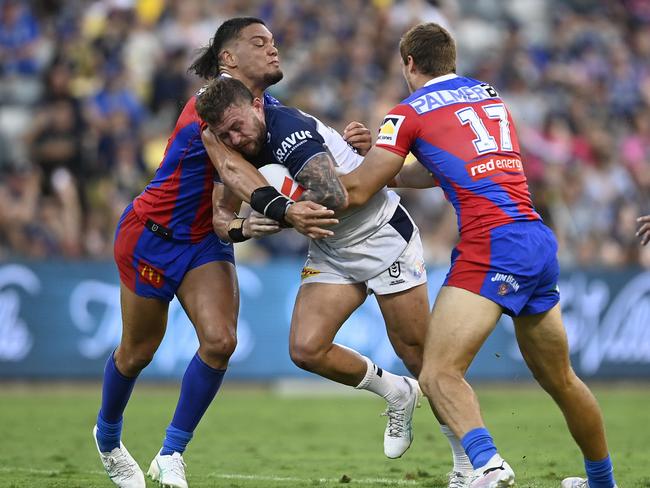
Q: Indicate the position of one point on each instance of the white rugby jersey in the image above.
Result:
(295, 137)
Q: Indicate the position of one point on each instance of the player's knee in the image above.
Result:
(434, 379)
(412, 359)
(305, 355)
(130, 361)
(556, 382)
(218, 347)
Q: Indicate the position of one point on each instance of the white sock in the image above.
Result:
(462, 463)
(387, 385)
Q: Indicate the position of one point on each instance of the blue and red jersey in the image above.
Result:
(179, 197)
(462, 132)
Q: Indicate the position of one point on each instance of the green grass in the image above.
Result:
(253, 438)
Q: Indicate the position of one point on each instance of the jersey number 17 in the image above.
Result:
(485, 142)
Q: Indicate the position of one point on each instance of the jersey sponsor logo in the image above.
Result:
(483, 168)
(441, 98)
(291, 142)
(505, 279)
(150, 275)
(308, 272)
(389, 129)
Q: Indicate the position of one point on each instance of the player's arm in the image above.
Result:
(248, 184)
(413, 175)
(397, 133)
(379, 167)
(644, 230)
(322, 185)
(238, 174)
(229, 226)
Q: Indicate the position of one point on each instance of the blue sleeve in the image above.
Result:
(271, 100)
(294, 139)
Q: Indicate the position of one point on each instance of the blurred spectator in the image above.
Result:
(575, 74)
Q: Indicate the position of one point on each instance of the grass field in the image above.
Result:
(254, 438)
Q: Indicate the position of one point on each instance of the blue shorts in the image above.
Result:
(515, 266)
(152, 266)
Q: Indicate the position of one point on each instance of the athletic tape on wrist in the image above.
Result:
(236, 230)
(270, 202)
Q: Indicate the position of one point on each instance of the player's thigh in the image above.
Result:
(459, 324)
(543, 343)
(406, 314)
(143, 319)
(209, 294)
(320, 311)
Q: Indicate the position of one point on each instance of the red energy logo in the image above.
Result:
(495, 164)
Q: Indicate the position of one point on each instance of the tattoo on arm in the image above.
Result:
(321, 182)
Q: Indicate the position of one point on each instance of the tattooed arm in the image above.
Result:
(321, 182)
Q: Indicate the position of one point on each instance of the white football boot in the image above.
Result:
(120, 466)
(495, 474)
(399, 432)
(576, 482)
(168, 471)
(458, 480)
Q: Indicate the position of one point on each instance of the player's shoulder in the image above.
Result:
(189, 119)
(280, 119)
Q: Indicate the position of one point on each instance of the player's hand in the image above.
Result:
(644, 230)
(257, 225)
(309, 218)
(358, 136)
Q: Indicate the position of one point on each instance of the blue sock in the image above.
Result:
(200, 385)
(600, 473)
(116, 391)
(176, 440)
(479, 446)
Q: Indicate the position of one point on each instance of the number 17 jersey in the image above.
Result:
(461, 131)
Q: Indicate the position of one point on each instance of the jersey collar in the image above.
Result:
(439, 79)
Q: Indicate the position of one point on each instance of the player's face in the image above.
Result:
(257, 56)
(243, 128)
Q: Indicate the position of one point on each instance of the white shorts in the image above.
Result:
(408, 270)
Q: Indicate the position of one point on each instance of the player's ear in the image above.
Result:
(410, 64)
(228, 59)
(258, 105)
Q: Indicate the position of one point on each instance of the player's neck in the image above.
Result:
(256, 89)
(419, 80)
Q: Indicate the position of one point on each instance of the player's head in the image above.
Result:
(233, 114)
(244, 48)
(427, 51)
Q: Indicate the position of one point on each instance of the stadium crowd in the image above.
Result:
(90, 91)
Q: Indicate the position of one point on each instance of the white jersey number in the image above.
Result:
(484, 142)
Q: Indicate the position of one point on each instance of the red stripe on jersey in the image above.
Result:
(127, 239)
(517, 189)
(478, 217)
(187, 116)
(164, 197)
(202, 224)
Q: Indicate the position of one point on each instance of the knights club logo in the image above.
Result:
(503, 289)
(150, 275)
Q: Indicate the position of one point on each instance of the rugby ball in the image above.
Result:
(279, 178)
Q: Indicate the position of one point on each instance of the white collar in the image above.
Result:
(438, 79)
